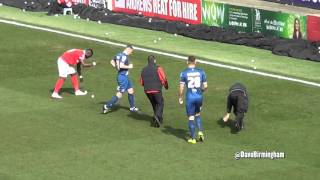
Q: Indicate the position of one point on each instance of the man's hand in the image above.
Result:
(226, 117)
(166, 85)
(180, 101)
(130, 66)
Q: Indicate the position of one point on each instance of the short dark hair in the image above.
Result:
(88, 53)
(151, 58)
(129, 46)
(191, 59)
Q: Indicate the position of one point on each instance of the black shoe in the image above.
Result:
(237, 127)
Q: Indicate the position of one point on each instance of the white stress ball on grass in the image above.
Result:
(92, 96)
(159, 38)
(1, 4)
(252, 60)
(254, 67)
(106, 33)
(154, 41)
(88, 19)
(99, 22)
(23, 10)
(175, 34)
(94, 63)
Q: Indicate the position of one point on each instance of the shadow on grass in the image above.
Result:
(64, 90)
(230, 124)
(179, 133)
(134, 115)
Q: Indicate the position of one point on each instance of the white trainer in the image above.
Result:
(56, 96)
(81, 93)
(134, 109)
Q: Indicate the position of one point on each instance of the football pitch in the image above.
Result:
(42, 138)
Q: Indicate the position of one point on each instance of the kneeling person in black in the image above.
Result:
(239, 100)
(152, 79)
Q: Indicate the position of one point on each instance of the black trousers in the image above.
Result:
(157, 103)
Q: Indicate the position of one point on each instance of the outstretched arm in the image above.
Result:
(181, 89)
(84, 64)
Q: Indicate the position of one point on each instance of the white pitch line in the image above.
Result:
(162, 53)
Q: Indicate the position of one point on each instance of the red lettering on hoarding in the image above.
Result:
(188, 11)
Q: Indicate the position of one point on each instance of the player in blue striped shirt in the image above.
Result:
(122, 64)
(195, 81)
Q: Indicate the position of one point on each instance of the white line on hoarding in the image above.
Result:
(181, 57)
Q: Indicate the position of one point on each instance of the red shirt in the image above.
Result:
(73, 56)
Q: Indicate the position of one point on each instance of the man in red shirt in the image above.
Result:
(66, 66)
(153, 78)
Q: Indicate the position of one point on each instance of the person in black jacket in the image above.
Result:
(238, 100)
(152, 79)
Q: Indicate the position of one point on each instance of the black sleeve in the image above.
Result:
(79, 69)
(229, 104)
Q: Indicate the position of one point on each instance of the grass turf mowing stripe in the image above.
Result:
(164, 53)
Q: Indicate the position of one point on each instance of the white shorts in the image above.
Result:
(65, 69)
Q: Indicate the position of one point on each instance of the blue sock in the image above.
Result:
(131, 100)
(113, 100)
(199, 124)
(192, 129)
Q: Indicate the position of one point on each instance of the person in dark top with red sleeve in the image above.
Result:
(152, 79)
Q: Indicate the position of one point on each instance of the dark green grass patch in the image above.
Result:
(43, 138)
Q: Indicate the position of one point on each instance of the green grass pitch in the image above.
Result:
(47, 139)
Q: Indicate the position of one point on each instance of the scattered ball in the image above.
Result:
(75, 17)
(92, 96)
(99, 22)
(187, 25)
(154, 41)
(106, 14)
(23, 10)
(175, 34)
(94, 63)
(159, 38)
(252, 60)
(1, 4)
(106, 33)
(254, 67)
(88, 19)
(56, 15)
(25, 2)
(49, 3)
